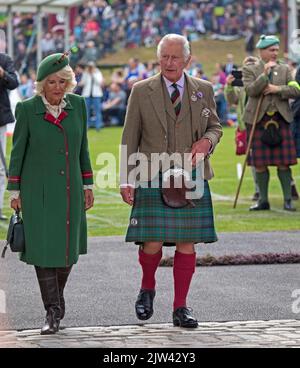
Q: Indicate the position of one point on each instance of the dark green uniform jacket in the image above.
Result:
(49, 164)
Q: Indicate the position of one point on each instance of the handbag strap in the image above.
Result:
(4, 250)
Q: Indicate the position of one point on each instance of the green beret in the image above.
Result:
(267, 41)
(51, 64)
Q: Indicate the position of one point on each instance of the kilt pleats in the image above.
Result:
(264, 155)
(152, 220)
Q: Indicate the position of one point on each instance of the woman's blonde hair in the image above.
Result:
(65, 73)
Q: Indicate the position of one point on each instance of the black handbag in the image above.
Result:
(271, 135)
(15, 234)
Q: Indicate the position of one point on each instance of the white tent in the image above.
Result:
(39, 7)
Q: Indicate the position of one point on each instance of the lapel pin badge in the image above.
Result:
(205, 112)
(196, 96)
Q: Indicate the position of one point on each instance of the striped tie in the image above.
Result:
(175, 98)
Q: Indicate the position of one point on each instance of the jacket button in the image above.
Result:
(62, 172)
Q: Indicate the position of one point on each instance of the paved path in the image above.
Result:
(104, 285)
(250, 334)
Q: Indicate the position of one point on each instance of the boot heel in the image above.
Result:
(176, 323)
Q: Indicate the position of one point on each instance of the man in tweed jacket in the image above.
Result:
(170, 112)
(274, 82)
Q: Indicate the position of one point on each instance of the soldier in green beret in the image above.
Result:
(50, 181)
(273, 143)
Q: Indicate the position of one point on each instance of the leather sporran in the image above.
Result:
(15, 234)
(271, 135)
(174, 191)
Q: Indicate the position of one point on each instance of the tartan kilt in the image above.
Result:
(296, 134)
(152, 220)
(264, 155)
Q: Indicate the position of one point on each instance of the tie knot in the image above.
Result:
(174, 85)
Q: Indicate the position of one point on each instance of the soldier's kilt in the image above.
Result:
(152, 220)
(296, 134)
(264, 155)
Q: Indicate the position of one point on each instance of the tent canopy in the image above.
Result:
(33, 6)
(36, 6)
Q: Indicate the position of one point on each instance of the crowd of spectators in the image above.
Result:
(106, 98)
(99, 27)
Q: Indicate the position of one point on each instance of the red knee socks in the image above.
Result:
(183, 269)
(149, 263)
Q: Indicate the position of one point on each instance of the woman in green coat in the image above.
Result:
(50, 180)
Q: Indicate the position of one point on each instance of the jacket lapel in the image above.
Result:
(185, 105)
(157, 98)
(277, 76)
(68, 106)
(196, 103)
(260, 68)
(40, 108)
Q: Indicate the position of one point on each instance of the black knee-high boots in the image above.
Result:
(52, 282)
(62, 277)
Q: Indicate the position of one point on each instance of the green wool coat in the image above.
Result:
(49, 164)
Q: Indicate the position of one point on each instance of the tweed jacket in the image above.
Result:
(145, 129)
(255, 81)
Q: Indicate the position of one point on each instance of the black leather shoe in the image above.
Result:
(183, 317)
(288, 206)
(260, 206)
(144, 304)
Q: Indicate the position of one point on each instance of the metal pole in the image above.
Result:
(39, 35)
(67, 28)
(285, 25)
(10, 40)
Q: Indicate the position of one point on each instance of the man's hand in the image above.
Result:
(230, 78)
(127, 194)
(202, 146)
(88, 199)
(268, 66)
(1, 72)
(271, 89)
(16, 204)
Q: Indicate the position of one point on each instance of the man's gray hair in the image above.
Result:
(172, 37)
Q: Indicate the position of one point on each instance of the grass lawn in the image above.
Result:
(110, 216)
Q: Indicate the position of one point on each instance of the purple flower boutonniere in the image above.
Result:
(196, 96)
